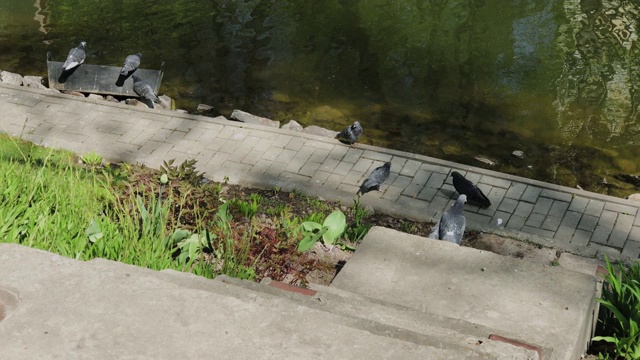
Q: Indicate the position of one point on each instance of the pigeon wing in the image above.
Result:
(76, 57)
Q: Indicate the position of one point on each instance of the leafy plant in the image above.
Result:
(329, 231)
(357, 230)
(92, 159)
(184, 172)
(621, 299)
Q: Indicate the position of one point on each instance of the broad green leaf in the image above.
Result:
(94, 232)
(335, 224)
(310, 226)
(310, 240)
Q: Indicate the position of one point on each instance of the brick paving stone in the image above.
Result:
(515, 191)
(551, 223)
(272, 153)
(187, 125)
(329, 164)
(436, 180)
(363, 165)
(286, 156)
(410, 168)
(516, 222)
(217, 160)
(319, 177)
(149, 146)
(374, 155)
(564, 233)
(535, 220)
(239, 134)
(531, 194)
(538, 231)
(588, 222)
(352, 156)
(295, 144)
(477, 218)
(437, 205)
(634, 234)
(621, 230)
(319, 145)
(578, 204)
(392, 193)
(229, 147)
(523, 209)
(196, 147)
(542, 206)
(580, 237)
(210, 126)
(333, 181)
(434, 168)
(263, 145)
(299, 160)
(601, 234)
(226, 133)
(264, 134)
(502, 216)
(495, 182)
(231, 165)
(427, 193)
(275, 169)
(343, 168)
(252, 158)
(282, 140)
(449, 191)
(397, 163)
(294, 177)
(319, 155)
(637, 221)
(353, 178)
(402, 181)
(348, 188)
(594, 207)
(608, 218)
(508, 205)
(248, 142)
(338, 152)
(495, 195)
(571, 219)
(260, 167)
(631, 249)
(413, 189)
(558, 208)
(310, 168)
(556, 195)
(625, 209)
(172, 124)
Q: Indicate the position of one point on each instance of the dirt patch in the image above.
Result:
(514, 248)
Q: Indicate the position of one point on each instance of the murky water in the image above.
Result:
(451, 79)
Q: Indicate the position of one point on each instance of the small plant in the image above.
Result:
(184, 172)
(92, 159)
(621, 299)
(329, 231)
(358, 229)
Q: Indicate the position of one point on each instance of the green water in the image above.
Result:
(451, 79)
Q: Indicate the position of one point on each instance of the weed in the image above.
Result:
(92, 159)
(184, 172)
(333, 226)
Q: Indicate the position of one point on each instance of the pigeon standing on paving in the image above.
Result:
(375, 179)
(76, 57)
(452, 223)
(145, 91)
(350, 134)
(466, 187)
(131, 64)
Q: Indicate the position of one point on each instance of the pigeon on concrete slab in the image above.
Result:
(375, 179)
(350, 134)
(466, 187)
(131, 64)
(76, 57)
(452, 223)
(145, 91)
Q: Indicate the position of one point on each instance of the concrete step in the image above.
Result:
(100, 309)
(549, 308)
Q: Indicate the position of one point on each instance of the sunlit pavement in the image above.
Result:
(419, 187)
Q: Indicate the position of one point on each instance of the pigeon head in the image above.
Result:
(387, 165)
(135, 77)
(356, 124)
(462, 199)
(139, 55)
(83, 44)
(456, 175)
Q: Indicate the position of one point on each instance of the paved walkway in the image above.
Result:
(419, 187)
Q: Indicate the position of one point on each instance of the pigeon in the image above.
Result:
(76, 57)
(375, 179)
(350, 134)
(452, 223)
(466, 187)
(131, 64)
(144, 91)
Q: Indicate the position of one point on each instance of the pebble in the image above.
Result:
(518, 153)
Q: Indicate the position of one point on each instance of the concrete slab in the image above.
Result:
(68, 309)
(545, 306)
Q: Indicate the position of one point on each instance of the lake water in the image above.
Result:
(557, 80)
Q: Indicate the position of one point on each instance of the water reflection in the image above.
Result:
(452, 79)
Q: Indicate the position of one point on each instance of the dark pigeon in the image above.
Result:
(76, 57)
(466, 187)
(452, 223)
(375, 179)
(350, 134)
(145, 91)
(131, 64)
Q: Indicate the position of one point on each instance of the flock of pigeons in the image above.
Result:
(452, 223)
(77, 56)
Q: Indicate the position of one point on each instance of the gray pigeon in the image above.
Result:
(131, 64)
(350, 134)
(452, 223)
(375, 179)
(145, 91)
(76, 57)
(466, 187)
